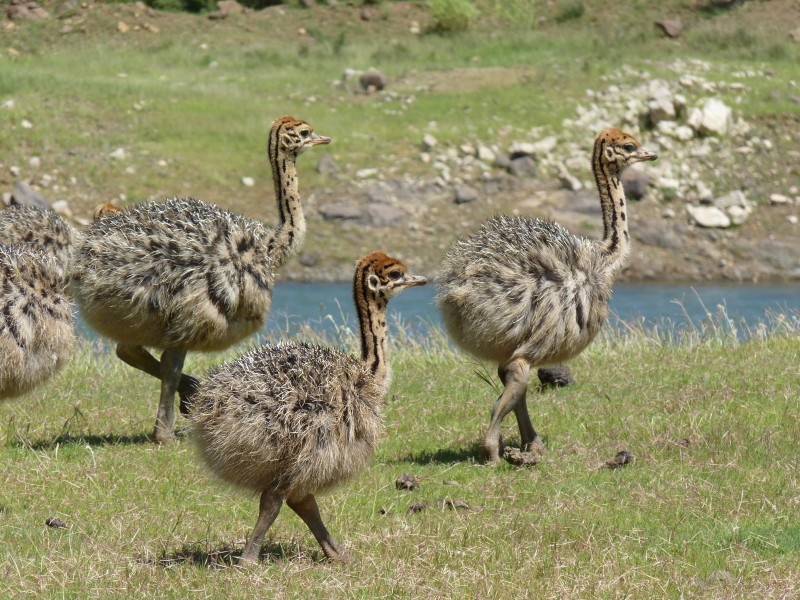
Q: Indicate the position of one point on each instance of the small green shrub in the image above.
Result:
(452, 16)
(571, 10)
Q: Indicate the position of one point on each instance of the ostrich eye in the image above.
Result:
(305, 133)
(629, 147)
(395, 275)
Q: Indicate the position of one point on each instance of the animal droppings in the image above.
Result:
(406, 483)
(622, 458)
(416, 508)
(518, 458)
(55, 523)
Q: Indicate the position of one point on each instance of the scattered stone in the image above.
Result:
(635, 182)
(25, 10)
(485, 154)
(373, 81)
(519, 458)
(26, 124)
(793, 219)
(452, 504)
(35, 162)
(248, 181)
(709, 216)
(327, 166)
(429, 142)
(545, 145)
(406, 483)
(671, 27)
(55, 523)
(555, 377)
(123, 27)
(660, 106)
(568, 181)
(380, 193)
(416, 508)
(622, 458)
(24, 195)
(736, 205)
(340, 212)
(715, 118)
(523, 166)
(778, 199)
(366, 173)
(118, 154)
(61, 207)
(225, 8)
(384, 215)
(465, 194)
(519, 149)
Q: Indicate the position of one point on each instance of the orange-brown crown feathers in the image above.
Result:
(616, 149)
(379, 272)
(105, 209)
(293, 136)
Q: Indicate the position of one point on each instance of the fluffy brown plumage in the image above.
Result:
(524, 292)
(36, 335)
(41, 229)
(293, 420)
(183, 275)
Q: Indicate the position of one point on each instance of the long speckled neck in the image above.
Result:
(616, 239)
(371, 310)
(292, 227)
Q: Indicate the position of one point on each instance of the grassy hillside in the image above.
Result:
(190, 99)
(707, 509)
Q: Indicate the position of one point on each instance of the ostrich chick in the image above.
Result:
(42, 229)
(36, 335)
(293, 420)
(183, 275)
(524, 292)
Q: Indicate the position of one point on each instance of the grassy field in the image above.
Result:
(709, 507)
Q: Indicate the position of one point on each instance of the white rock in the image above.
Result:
(8, 104)
(793, 219)
(716, 118)
(708, 216)
(545, 145)
(467, 150)
(162, 163)
(61, 207)
(14, 170)
(778, 199)
(429, 142)
(118, 154)
(248, 181)
(35, 162)
(683, 133)
(668, 213)
(734, 198)
(486, 154)
(522, 149)
(365, 173)
(130, 170)
(26, 124)
(6, 198)
(704, 194)
(737, 214)
(695, 118)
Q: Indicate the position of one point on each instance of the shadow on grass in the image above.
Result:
(225, 557)
(88, 440)
(469, 453)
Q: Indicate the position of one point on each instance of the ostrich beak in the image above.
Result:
(644, 155)
(319, 139)
(412, 280)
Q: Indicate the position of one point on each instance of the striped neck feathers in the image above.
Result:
(616, 239)
(292, 226)
(371, 309)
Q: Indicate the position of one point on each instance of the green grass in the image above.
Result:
(708, 508)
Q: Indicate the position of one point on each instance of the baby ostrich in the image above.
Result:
(35, 319)
(293, 420)
(183, 275)
(41, 229)
(524, 292)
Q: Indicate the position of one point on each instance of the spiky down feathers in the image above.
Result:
(296, 419)
(523, 287)
(36, 336)
(177, 273)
